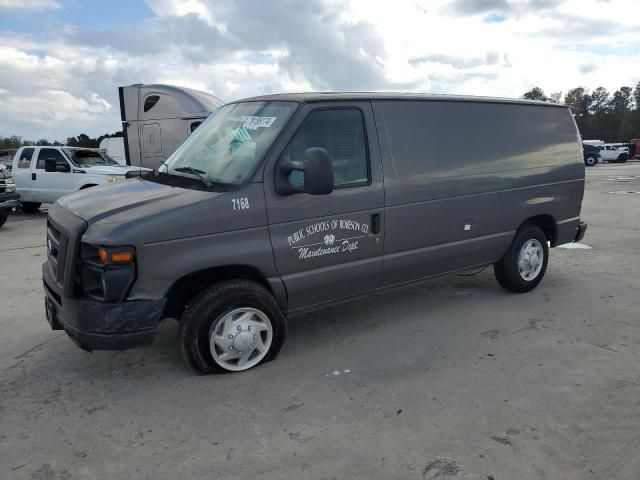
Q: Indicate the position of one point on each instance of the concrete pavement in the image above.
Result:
(454, 378)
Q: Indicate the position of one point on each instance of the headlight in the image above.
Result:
(115, 178)
(107, 272)
(10, 186)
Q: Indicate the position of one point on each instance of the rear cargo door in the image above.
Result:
(328, 247)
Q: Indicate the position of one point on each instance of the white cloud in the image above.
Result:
(29, 4)
(66, 83)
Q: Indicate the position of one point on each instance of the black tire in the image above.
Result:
(30, 207)
(590, 160)
(623, 158)
(506, 269)
(202, 316)
(3, 218)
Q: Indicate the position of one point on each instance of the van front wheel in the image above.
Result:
(231, 326)
(523, 266)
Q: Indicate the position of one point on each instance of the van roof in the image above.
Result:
(355, 96)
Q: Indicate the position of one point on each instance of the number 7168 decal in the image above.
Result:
(240, 203)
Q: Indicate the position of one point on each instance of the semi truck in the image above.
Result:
(157, 118)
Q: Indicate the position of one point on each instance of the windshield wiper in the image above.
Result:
(197, 173)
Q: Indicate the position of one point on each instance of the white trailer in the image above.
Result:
(114, 147)
(156, 119)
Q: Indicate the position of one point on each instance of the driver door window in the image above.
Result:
(48, 153)
(341, 133)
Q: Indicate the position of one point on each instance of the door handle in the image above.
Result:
(33, 176)
(375, 223)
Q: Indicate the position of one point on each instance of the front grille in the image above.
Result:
(64, 231)
(57, 251)
(3, 186)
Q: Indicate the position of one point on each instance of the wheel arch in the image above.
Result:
(546, 223)
(88, 185)
(188, 286)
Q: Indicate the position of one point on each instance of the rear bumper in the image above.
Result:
(94, 325)
(582, 229)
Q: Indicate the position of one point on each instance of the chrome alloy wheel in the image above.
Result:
(530, 259)
(241, 339)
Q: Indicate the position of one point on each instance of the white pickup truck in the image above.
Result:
(611, 153)
(44, 174)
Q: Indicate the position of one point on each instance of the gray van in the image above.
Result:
(284, 203)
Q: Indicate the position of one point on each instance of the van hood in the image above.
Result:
(140, 211)
(105, 201)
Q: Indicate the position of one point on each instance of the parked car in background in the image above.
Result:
(8, 196)
(156, 119)
(6, 157)
(620, 146)
(612, 154)
(285, 203)
(591, 154)
(44, 174)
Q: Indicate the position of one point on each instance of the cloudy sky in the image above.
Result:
(62, 61)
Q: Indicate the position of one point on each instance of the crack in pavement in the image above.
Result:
(24, 354)
(22, 248)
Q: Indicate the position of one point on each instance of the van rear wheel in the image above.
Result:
(231, 326)
(525, 263)
(30, 207)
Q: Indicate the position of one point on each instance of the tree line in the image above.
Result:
(599, 114)
(82, 140)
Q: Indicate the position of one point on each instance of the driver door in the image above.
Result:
(49, 186)
(328, 247)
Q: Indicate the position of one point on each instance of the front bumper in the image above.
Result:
(9, 201)
(94, 325)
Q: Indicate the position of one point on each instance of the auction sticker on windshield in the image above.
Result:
(253, 123)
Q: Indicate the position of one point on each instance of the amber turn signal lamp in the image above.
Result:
(122, 257)
(115, 257)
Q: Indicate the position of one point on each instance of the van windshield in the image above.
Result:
(230, 143)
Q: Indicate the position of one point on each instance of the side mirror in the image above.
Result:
(317, 174)
(56, 165)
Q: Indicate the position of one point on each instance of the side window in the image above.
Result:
(25, 158)
(48, 153)
(150, 102)
(341, 133)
